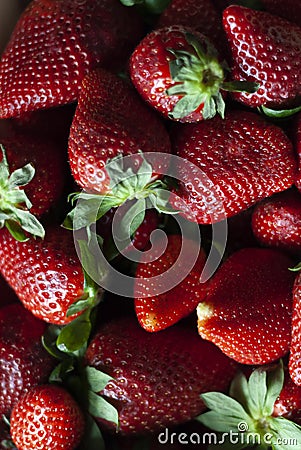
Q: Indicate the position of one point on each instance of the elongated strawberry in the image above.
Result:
(295, 349)
(158, 377)
(251, 411)
(47, 417)
(248, 309)
(64, 40)
(46, 274)
(237, 161)
(179, 73)
(266, 49)
(24, 362)
(276, 221)
(156, 312)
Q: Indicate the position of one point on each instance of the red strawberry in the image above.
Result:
(288, 403)
(266, 49)
(295, 350)
(297, 143)
(247, 312)
(276, 221)
(47, 417)
(24, 362)
(46, 274)
(158, 377)
(156, 312)
(236, 162)
(179, 72)
(55, 43)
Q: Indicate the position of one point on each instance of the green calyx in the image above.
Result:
(245, 416)
(14, 203)
(199, 78)
(277, 113)
(148, 6)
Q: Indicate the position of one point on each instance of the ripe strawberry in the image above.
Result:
(158, 377)
(55, 43)
(47, 417)
(156, 312)
(247, 312)
(179, 73)
(297, 144)
(266, 49)
(46, 274)
(24, 362)
(276, 221)
(295, 350)
(255, 410)
(236, 162)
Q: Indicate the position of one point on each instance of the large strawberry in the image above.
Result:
(297, 143)
(55, 43)
(158, 311)
(157, 377)
(276, 221)
(295, 350)
(266, 49)
(248, 309)
(179, 72)
(24, 362)
(45, 418)
(234, 163)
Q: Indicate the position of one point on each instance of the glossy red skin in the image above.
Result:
(276, 221)
(158, 377)
(45, 274)
(55, 43)
(149, 68)
(24, 362)
(297, 144)
(248, 308)
(47, 417)
(288, 404)
(48, 159)
(295, 350)
(265, 49)
(245, 157)
(157, 312)
(110, 120)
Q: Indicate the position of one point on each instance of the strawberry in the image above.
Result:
(157, 377)
(266, 49)
(255, 410)
(46, 274)
(234, 163)
(178, 72)
(276, 221)
(247, 312)
(47, 417)
(295, 350)
(24, 362)
(55, 43)
(288, 403)
(297, 143)
(156, 312)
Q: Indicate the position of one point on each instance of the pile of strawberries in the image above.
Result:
(98, 98)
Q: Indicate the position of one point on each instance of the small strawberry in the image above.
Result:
(156, 312)
(276, 221)
(295, 350)
(24, 362)
(266, 49)
(234, 163)
(158, 377)
(55, 43)
(247, 312)
(45, 418)
(253, 411)
(179, 73)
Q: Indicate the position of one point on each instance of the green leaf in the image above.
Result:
(286, 431)
(98, 407)
(279, 114)
(97, 379)
(93, 267)
(239, 390)
(75, 335)
(216, 421)
(296, 268)
(257, 392)
(61, 370)
(21, 177)
(159, 199)
(240, 86)
(92, 439)
(275, 380)
(4, 168)
(78, 306)
(30, 223)
(49, 341)
(130, 222)
(16, 230)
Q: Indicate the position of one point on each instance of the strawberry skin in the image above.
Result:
(247, 312)
(110, 120)
(276, 221)
(24, 362)
(46, 418)
(158, 377)
(265, 49)
(241, 159)
(157, 312)
(45, 274)
(55, 43)
(295, 350)
(297, 144)
(288, 404)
